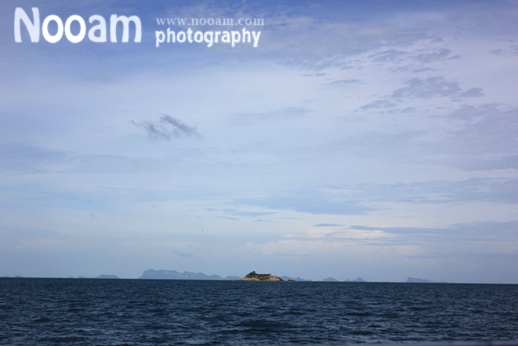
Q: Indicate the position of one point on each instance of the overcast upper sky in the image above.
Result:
(360, 138)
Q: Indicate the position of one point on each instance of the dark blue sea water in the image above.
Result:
(114, 312)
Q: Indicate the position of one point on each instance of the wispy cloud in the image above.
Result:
(377, 104)
(422, 56)
(434, 87)
(511, 50)
(312, 202)
(166, 128)
(424, 88)
(472, 231)
(503, 191)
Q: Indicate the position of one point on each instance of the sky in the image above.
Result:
(374, 139)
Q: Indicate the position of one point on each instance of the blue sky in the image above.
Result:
(360, 138)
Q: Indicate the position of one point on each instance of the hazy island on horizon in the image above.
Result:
(164, 274)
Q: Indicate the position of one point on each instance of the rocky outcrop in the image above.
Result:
(254, 277)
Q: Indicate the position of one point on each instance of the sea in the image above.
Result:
(180, 312)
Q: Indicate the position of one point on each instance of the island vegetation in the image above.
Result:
(253, 276)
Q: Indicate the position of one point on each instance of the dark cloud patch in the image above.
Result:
(166, 128)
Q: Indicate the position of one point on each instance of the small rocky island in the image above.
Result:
(254, 277)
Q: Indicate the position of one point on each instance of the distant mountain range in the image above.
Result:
(163, 274)
(152, 274)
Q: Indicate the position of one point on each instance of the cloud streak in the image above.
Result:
(166, 128)
(310, 202)
(434, 87)
(471, 231)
